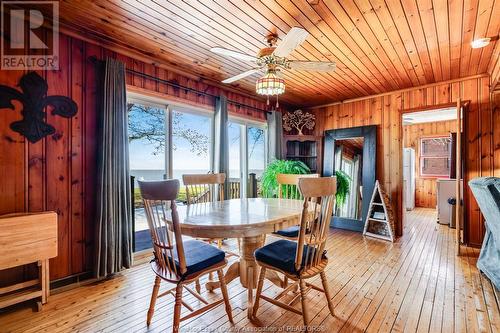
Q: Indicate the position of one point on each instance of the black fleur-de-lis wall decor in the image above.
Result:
(33, 96)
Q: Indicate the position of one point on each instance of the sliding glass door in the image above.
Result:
(191, 144)
(235, 173)
(257, 156)
(247, 155)
(167, 141)
(164, 142)
(147, 143)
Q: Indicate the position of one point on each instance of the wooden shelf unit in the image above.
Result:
(305, 148)
(380, 205)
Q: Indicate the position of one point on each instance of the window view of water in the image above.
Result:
(190, 148)
(160, 174)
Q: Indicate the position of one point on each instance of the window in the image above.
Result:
(257, 153)
(247, 139)
(167, 141)
(147, 140)
(191, 143)
(435, 156)
(234, 138)
(164, 142)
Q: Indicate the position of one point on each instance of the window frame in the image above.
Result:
(169, 107)
(422, 157)
(187, 110)
(164, 107)
(244, 124)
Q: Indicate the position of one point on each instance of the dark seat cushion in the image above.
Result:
(292, 232)
(281, 254)
(199, 256)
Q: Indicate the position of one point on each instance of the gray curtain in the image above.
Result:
(114, 207)
(220, 147)
(275, 134)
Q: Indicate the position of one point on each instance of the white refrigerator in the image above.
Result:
(409, 178)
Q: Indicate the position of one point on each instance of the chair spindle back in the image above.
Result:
(287, 185)
(204, 187)
(157, 197)
(319, 198)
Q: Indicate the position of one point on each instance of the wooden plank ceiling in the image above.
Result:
(355, 144)
(378, 45)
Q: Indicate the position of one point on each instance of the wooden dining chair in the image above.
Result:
(288, 189)
(177, 261)
(305, 258)
(205, 188)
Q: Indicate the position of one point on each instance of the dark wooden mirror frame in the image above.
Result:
(369, 134)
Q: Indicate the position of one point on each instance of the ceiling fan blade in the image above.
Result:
(241, 76)
(231, 53)
(318, 66)
(293, 39)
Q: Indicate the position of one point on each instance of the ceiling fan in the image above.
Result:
(272, 60)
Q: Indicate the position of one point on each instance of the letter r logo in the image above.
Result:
(31, 34)
(17, 25)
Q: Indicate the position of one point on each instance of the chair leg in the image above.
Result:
(259, 291)
(303, 289)
(177, 308)
(324, 281)
(225, 295)
(152, 303)
(197, 286)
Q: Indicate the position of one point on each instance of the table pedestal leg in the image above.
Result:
(249, 270)
(246, 268)
(232, 273)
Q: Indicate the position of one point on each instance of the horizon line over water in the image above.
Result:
(158, 174)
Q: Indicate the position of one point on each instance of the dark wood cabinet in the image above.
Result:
(305, 148)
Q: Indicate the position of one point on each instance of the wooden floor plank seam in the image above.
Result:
(416, 284)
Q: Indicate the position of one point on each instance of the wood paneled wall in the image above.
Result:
(482, 142)
(59, 172)
(425, 188)
(494, 68)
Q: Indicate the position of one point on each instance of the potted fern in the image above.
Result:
(343, 182)
(270, 184)
(268, 179)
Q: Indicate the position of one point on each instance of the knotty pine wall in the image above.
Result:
(482, 144)
(59, 172)
(425, 187)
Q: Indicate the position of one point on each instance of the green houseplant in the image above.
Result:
(343, 181)
(269, 182)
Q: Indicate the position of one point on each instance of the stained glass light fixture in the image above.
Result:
(270, 84)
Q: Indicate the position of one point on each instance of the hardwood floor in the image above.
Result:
(414, 285)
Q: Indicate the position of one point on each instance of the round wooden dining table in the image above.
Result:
(248, 220)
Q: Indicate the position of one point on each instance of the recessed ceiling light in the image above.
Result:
(481, 42)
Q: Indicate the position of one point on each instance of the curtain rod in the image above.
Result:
(179, 86)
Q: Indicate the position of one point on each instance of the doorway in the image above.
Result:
(429, 160)
(247, 156)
